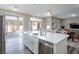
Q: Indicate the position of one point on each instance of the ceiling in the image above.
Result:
(58, 10)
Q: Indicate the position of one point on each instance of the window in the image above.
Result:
(11, 17)
(35, 23)
(14, 23)
(34, 26)
(11, 23)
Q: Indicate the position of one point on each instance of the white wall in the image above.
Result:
(67, 22)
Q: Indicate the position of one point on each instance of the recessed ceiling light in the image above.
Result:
(73, 15)
(49, 13)
(14, 8)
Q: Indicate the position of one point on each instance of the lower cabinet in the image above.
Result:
(25, 40)
(35, 45)
(31, 42)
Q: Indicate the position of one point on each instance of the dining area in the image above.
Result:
(73, 41)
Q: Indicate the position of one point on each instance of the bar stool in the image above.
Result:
(71, 36)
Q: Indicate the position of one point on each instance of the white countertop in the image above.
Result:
(54, 38)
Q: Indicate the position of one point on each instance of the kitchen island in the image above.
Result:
(56, 41)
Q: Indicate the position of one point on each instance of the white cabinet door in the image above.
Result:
(35, 45)
(30, 42)
(25, 40)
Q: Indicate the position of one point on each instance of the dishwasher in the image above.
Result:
(45, 47)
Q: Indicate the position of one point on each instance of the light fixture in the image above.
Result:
(73, 15)
(49, 13)
(32, 19)
(35, 19)
(48, 27)
(15, 8)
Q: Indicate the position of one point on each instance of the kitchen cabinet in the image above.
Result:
(31, 42)
(25, 39)
(35, 44)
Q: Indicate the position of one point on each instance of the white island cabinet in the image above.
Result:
(61, 47)
(59, 42)
(31, 42)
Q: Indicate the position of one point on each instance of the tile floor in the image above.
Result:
(15, 46)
